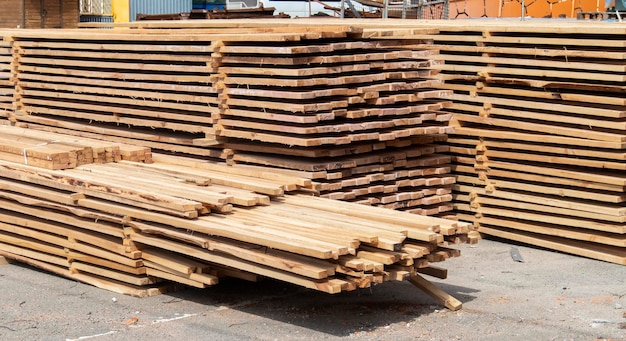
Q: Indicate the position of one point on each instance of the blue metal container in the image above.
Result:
(158, 7)
(209, 4)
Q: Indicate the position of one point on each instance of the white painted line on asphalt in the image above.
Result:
(162, 320)
(173, 318)
(92, 336)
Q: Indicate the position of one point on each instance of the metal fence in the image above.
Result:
(435, 9)
(96, 7)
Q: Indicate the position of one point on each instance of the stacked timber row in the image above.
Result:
(136, 228)
(150, 90)
(7, 87)
(539, 145)
(54, 151)
(357, 116)
(358, 111)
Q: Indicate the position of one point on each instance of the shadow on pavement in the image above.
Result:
(338, 315)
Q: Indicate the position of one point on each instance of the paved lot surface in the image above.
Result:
(550, 296)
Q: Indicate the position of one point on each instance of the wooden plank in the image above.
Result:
(563, 119)
(552, 228)
(107, 114)
(571, 64)
(559, 205)
(299, 72)
(325, 128)
(204, 79)
(152, 271)
(547, 148)
(110, 86)
(292, 95)
(551, 178)
(594, 251)
(600, 177)
(535, 52)
(362, 229)
(308, 82)
(21, 206)
(91, 185)
(139, 54)
(434, 271)
(499, 133)
(164, 37)
(58, 126)
(111, 285)
(531, 41)
(298, 107)
(353, 57)
(106, 273)
(266, 174)
(5, 261)
(419, 230)
(559, 191)
(51, 45)
(225, 260)
(12, 251)
(546, 159)
(617, 138)
(18, 235)
(148, 99)
(107, 65)
(161, 185)
(441, 296)
(585, 98)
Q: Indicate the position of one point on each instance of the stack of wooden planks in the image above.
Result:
(136, 228)
(361, 110)
(152, 90)
(7, 87)
(55, 151)
(357, 110)
(539, 143)
(358, 116)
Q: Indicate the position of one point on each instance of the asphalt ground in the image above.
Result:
(548, 296)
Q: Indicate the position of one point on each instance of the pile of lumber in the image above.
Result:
(7, 87)
(356, 110)
(55, 151)
(539, 145)
(137, 228)
(151, 90)
(361, 109)
(357, 116)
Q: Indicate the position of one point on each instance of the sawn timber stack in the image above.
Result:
(128, 226)
(527, 98)
(7, 87)
(357, 116)
(539, 119)
(358, 111)
(539, 147)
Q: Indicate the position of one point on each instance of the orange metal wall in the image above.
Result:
(513, 8)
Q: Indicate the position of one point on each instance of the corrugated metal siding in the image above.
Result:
(96, 18)
(158, 7)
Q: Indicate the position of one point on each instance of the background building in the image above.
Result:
(39, 13)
